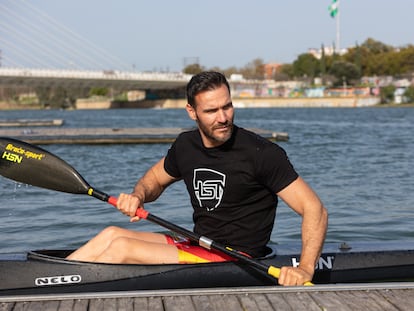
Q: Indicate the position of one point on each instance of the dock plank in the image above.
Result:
(263, 302)
(301, 301)
(222, 302)
(154, 304)
(20, 306)
(72, 305)
(329, 301)
(363, 300)
(125, 304)
(204, 303)
(179, 303)
(81, 305)
(336, 297)
(375, 296)
(248, 302)
(147, 304)
(402, 299)
(30, 122)
(279, 302)
(6, 306)
(44, 136)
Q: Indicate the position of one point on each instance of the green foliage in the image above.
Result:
(285, 73)
(254, 69)
(306, 65)
(376, 47)
(371, 58)
(193, 69)
(387, 94)
(43, 93)
(406, 58)
(99, 91)
(344, 72)
(56, 97)
(409, 94)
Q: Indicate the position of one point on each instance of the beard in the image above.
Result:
(218, 134)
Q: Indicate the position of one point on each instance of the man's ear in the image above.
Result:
(191, 112)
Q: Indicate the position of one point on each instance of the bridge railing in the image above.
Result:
(84, 74)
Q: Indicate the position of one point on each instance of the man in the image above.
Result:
(234, 178)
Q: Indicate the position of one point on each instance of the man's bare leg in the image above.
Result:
(133, 251)
(105, 241)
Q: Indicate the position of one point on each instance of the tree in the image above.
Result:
(284, 73)
(344, 72)
(59, 98)
(99, 91)
(376, 47)
(229, 71)
(43, 94)
(193, 69)
(407, 59)
(409, 94)
(306, 65)
(387, 94)
(254, 69)
(322, 64)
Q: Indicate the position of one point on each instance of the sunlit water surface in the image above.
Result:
(359, 161)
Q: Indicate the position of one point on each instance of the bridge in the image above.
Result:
(38, 51)
(86, 78)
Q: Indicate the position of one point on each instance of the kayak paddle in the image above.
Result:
(29, 164)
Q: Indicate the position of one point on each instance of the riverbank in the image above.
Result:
(14, 106)
(263, 102)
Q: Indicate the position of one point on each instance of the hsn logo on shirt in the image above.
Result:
(208, 187)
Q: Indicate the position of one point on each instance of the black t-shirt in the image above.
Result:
(232, 187)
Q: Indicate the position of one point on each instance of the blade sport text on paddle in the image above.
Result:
(29, 164)
(32, 165)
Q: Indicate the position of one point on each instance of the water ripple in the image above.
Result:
(360, 162)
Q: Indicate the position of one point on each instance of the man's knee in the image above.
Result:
(111, 232)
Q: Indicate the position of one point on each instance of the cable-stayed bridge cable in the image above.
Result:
(49, 39)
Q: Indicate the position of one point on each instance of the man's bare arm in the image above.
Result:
(302, 199)
(153, 183)
(147, 189)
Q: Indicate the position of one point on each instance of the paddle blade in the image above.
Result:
(35, 166)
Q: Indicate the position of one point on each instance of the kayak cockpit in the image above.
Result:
(60, 255)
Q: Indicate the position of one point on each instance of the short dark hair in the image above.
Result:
(204, 81)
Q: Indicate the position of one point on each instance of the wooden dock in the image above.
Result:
(44, 136)
(31, 122)
(352, 297)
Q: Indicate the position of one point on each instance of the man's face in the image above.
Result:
(214, 115)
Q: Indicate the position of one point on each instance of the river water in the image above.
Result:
(360, 162)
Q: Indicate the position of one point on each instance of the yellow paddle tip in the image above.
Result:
(274, 271)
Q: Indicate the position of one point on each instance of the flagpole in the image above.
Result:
(337, 29)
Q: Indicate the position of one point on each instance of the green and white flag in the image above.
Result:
(333, 8)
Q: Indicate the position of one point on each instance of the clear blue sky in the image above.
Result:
(156, 34)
